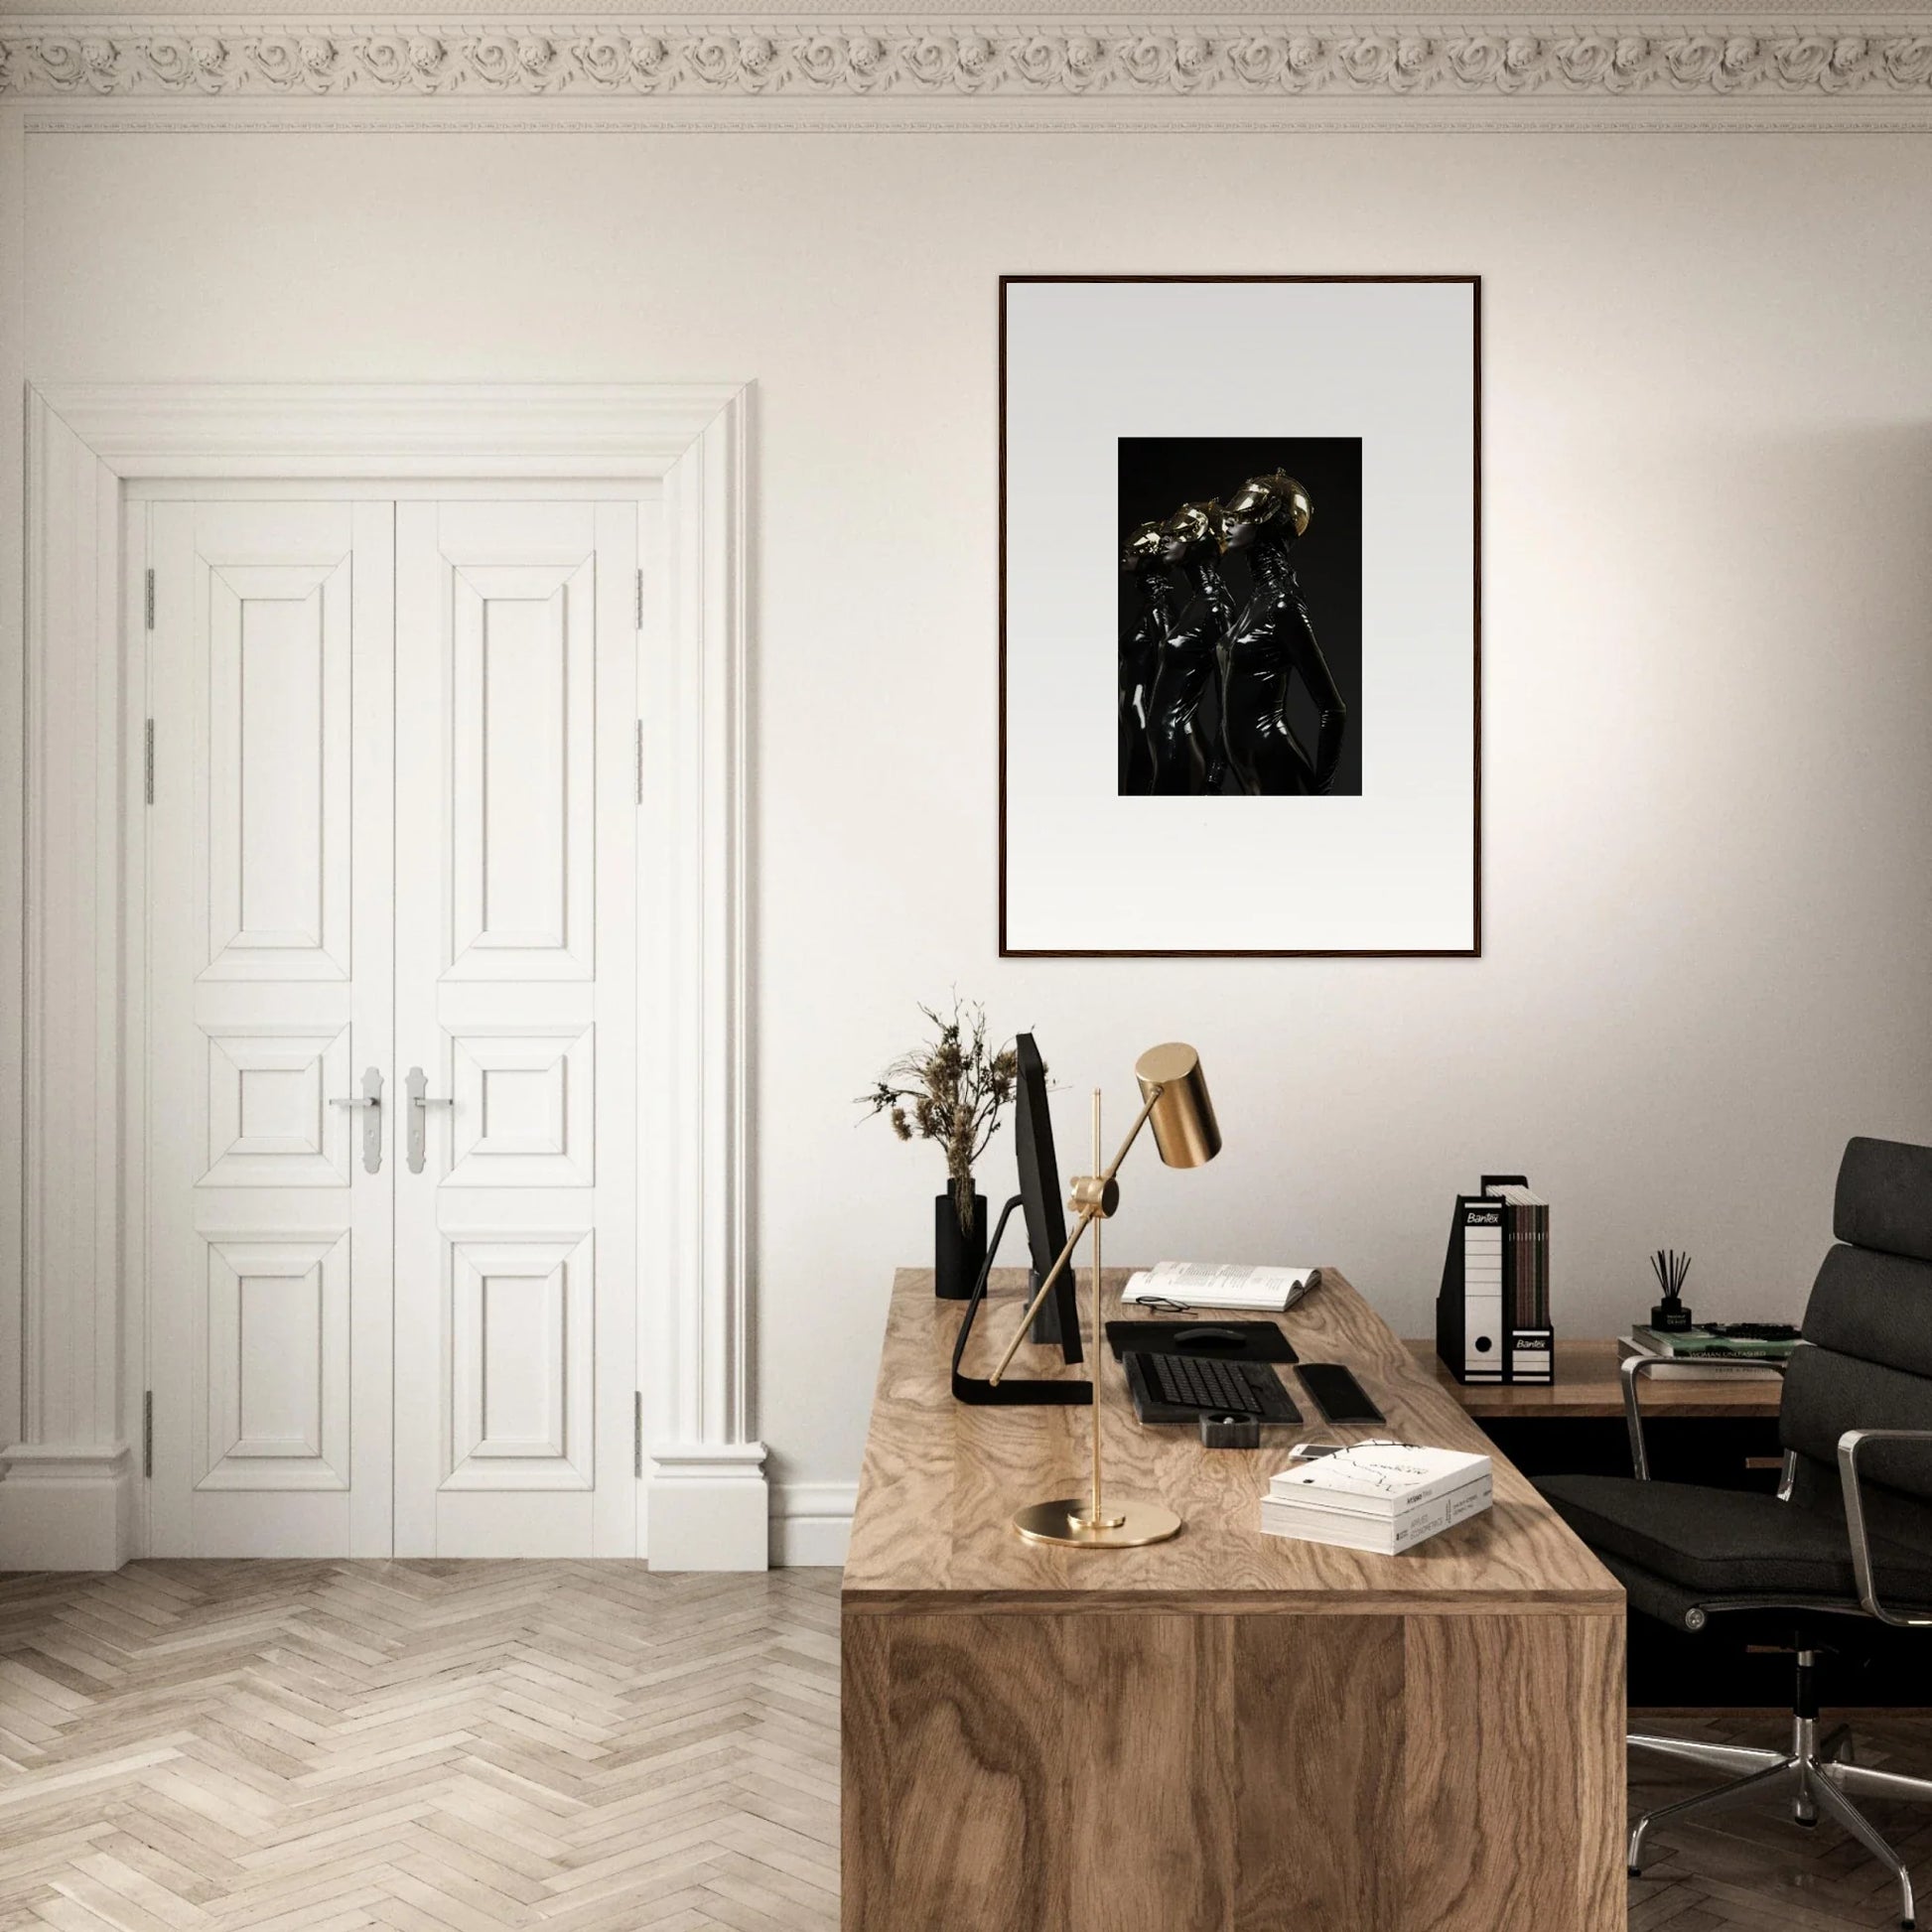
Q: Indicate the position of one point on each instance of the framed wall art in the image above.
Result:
(1239, 614)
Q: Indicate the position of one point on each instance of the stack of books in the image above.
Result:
(1380, 1496)
(1683, 1353)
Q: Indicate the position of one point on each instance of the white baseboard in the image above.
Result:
(65, 1506)
(812, 1523)
(709, 1507)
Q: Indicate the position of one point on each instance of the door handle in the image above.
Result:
(420, 1102)
(370, 1099)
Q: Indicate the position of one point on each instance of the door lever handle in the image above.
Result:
(420, 1102)
(370, 1099)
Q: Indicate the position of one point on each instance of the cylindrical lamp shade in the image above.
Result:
(1185, 1128)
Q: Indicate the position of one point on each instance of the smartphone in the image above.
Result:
(1336, 1392)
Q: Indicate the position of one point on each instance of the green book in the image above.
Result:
(1700, 1341)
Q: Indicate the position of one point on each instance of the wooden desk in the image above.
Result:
(1588, 1386)
(1225, 1731)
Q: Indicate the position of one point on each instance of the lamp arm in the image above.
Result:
(1133, 1133)
(1088, 1215)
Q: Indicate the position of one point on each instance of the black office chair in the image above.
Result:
(1848, 1536)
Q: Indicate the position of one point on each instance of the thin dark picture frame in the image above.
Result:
(1471, 951)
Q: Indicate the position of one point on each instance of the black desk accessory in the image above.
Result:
(1227, 1342)
(1338, 1396)
(1182, 1388)
(1230, 1432)
(1670, 1316)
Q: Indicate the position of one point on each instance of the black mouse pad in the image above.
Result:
(1230, 1341)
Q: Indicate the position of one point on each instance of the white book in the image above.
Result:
(1219, 1285)
(1387, 1536)
(1378, 1478)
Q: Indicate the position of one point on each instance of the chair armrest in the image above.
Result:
(1634, 1367)
(1848, 1445)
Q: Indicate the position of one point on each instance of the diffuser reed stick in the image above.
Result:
(1671, 1267)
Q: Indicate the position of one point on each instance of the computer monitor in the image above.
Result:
(1039, 1196)
(1039, 1200)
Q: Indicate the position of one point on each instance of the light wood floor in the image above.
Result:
(455, 1748)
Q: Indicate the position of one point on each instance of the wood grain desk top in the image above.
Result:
(942, 1479)
(1588, 1385)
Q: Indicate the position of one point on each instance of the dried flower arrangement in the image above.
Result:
(951, 1090)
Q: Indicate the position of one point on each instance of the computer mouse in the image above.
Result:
(1208, 1337)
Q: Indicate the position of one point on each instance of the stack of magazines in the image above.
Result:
(1380, 1496)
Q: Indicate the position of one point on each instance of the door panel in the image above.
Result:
(516, 973)
(270, 951)
(521, 771)
(279, 681)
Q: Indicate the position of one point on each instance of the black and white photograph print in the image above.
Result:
(1240, 616)
(1239, 644)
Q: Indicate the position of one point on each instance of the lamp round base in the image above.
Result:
(1061, 1521)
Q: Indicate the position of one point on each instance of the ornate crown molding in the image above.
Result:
(1237, 62)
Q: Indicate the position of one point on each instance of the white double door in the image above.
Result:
(392, 860)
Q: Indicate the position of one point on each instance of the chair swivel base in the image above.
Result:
(1816, 1775)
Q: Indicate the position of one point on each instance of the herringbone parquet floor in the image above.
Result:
(430, 1746)
(459, 1748)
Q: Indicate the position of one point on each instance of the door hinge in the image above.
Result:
(147, 1434)
(150, 600)
(637, 1433)
(641, 598)
(641, 760)
(147, 762)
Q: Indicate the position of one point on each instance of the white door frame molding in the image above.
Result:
(67, 1497)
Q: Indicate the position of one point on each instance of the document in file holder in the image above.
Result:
(1492, 1316)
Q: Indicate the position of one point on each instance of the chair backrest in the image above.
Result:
(1869, 1325)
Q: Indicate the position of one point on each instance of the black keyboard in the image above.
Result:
(1204, 1386)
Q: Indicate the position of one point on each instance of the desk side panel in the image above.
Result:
(1514, 1773)
(1317, 1742)
(1142, 1772)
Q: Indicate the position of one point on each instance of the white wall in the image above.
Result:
(1707, 680)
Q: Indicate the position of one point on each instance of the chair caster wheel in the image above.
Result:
(1810, 1823)
(1633, 1872)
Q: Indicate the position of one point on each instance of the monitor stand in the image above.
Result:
(1011, 1391)
(1046, 1329)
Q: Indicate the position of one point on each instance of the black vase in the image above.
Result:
(957, 1256)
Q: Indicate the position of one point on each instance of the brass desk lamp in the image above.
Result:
(1175, 1101)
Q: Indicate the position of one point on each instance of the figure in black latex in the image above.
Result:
(1269, 643)
(1161, 592)
(1182, 756)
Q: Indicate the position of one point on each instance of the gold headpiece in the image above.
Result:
(1142, 545)
(1194, 523)
(1267, 499)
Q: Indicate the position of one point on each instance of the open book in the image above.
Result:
(1216, 1284)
